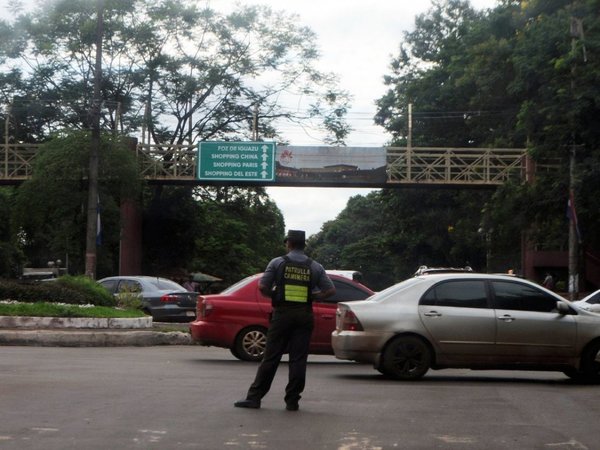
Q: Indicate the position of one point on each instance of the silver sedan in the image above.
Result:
(475, 321)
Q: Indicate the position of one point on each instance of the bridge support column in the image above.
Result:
(130, 252)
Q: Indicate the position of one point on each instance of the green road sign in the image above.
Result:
(238, 161)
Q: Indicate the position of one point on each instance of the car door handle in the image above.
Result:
(432, 314)
(327, 317)
(506, 318)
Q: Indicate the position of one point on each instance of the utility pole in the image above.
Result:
(409, 144)
(6, 140)
(576, 30)
(255, 123)
(92, 206)
(409, 139)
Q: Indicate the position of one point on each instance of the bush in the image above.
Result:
(127, 300)
(87, 286)
(71, 290)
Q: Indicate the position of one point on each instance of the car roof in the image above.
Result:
(256, 277)
(435, 277)
(425, 270)
(350, 274)
(470, 275)
(134, 277)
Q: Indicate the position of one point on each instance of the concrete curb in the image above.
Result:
(97, 338)
(73, 322)
(86, 332)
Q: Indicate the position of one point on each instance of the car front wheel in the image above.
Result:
(250, 344)
(406, 358)
(590, 363)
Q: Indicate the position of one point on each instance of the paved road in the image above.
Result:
(181, 397)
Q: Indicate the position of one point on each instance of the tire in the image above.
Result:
(406, 358)
(234, 352)
(250, 344)
(590, 366)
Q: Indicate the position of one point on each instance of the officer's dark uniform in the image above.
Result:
(293, 277)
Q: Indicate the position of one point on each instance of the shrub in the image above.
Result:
(129, 300)
(71, 290)
(99, 295)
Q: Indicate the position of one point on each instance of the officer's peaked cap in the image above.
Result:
(296, 236)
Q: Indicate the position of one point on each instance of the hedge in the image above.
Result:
(67, 289)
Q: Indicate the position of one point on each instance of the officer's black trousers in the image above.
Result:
(290, 329)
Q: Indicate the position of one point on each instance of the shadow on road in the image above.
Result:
(437, 379)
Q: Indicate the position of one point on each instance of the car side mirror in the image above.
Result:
(563, 308)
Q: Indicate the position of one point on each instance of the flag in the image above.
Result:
(98, 224)
(572, 213)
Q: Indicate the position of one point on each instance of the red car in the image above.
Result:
(238, 317)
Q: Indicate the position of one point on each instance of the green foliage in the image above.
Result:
(129, 300)
(181, 72)
(226, 232)
(11, 256)
(74, 291)
(243, 230)
(89, 287)
(512, 76)
(390, 233)
(43, 309)
(194, 67)
(51, 207)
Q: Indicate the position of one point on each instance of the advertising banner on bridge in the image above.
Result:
(330, 166)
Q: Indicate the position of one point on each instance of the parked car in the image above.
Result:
(163, 299)
(424, 270)
(238, 317)
(590, 303)
(468, 320)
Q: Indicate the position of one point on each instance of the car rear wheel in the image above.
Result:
(406, 358)
(250, 344)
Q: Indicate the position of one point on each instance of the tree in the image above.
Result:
(520, 75)
(388, 234)
(11, 257)
(51, 206)
(243, 230)
(175, 71)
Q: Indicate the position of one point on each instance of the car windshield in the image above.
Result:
(393, 290)
(165, 285)
(593, 298)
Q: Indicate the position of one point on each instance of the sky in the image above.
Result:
(357, 39)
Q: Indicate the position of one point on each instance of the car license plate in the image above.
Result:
(190, 313)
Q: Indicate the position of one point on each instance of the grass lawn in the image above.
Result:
(42, 309)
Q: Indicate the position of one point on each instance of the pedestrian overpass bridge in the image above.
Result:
(398, 166)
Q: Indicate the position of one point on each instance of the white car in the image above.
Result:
(590, 303)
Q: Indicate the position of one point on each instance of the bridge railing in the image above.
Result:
(167, 162)
(437, 165)
(416, 165)
(17, 161)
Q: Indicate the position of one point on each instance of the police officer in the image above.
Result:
(290, 281)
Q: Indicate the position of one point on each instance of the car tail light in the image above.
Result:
(204, 307)
(199, 306)
(347, 320)
(169, 298)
